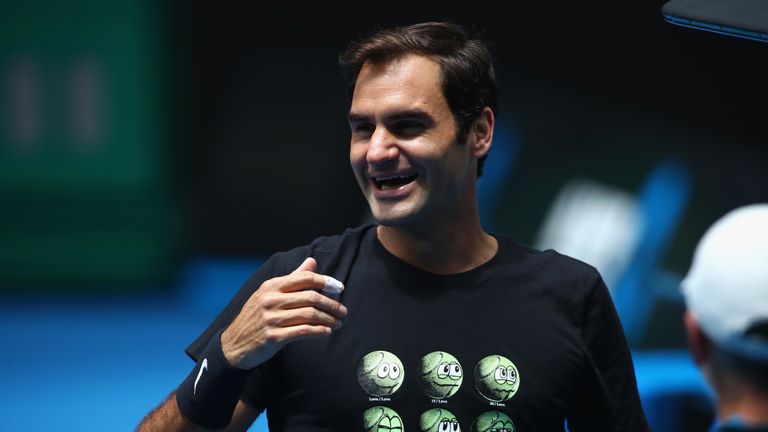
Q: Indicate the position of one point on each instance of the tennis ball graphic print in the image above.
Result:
(493, 421)
(382, 419)
(438, 420)
(440, 375)
(380, 373)
(496, 378)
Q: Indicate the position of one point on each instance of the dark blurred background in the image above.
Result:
(146, 146)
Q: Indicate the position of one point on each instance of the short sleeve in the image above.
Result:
(611, 401)
(278, 264)
(257, 387)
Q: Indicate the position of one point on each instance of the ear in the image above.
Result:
(482, 133)
(698, 343)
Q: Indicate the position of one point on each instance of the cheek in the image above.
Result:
(357, 163)
(356, 154)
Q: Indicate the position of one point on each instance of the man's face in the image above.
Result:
(403, 144)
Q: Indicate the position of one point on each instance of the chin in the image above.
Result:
(390, 218)
(403, 213)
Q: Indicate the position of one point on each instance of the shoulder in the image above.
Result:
(330, 243)
(547, 261)
(334, 253)
(564, 275)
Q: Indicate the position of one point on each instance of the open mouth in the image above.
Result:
(394, 182)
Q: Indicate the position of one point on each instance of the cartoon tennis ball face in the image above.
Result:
(380, 373)
(438, 420)
(496, 378)
(382, 419)
(493, 421)
(440, 375)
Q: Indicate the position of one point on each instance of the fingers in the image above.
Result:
(303, 316)
(300, 289)
(283, 309)
(304, 331)
(304, 277)
(309, 264)
(303, 299)
(332, 286)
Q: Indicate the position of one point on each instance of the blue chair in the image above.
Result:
(496, 171)
(662, 200)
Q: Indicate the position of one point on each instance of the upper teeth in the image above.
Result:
(393, 182)
(382, 179)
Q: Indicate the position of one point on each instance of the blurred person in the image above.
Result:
(421, 320)
(726, 317)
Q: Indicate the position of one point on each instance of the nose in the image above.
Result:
(382, 147)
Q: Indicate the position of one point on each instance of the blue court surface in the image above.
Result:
(95, 364)
(91, 363)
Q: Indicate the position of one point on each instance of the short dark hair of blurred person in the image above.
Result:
(726, 318)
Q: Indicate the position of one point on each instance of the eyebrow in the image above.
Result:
(357, 118)
(400, 115)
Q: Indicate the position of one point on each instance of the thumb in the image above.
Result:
(309, 264)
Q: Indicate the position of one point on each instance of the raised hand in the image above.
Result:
(282, 310)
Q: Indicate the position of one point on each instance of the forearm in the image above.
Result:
(167, 418)
(282, 310)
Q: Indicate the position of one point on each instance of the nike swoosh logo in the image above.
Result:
(203, 367)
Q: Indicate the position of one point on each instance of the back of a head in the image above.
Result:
(726, 289)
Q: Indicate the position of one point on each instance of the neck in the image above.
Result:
(750, 405)
(453, 245)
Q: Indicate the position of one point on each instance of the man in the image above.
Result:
(726, 320)
(425, 321)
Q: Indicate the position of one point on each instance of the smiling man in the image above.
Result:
(415, 171)
(318, 331)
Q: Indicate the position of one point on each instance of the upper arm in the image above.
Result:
(610, 399)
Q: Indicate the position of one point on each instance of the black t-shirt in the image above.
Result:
(520, 343)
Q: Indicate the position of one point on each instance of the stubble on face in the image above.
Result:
(387, 97)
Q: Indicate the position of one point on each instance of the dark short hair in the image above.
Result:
(468, 78)
(750, 370)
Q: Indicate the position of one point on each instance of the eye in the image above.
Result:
(443, 369)
(394, 372)
(407, 128)
(455, 426)
(383, 370)
(511, 375)
(445, 426)
(362, 129)
(455, 372)
(500, 375)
